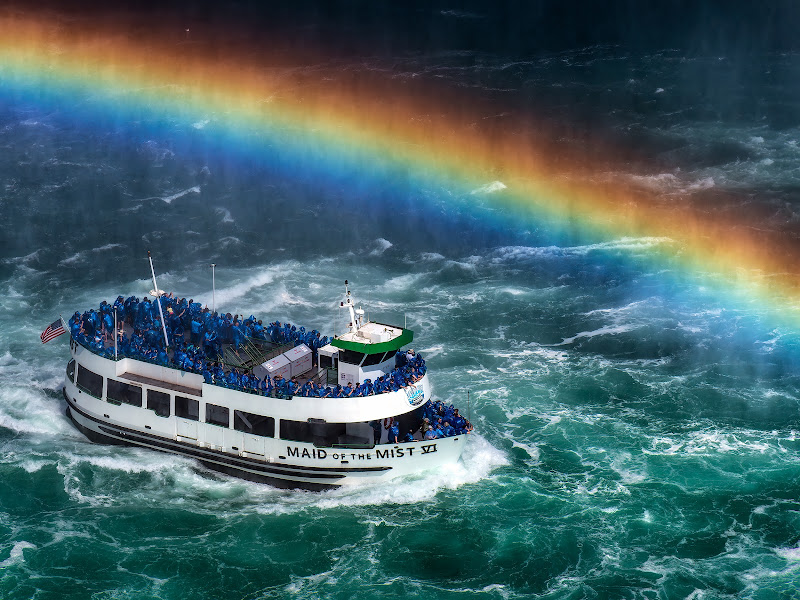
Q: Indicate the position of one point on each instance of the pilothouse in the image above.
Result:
(274, 403)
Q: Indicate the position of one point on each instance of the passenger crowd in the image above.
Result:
(202, 351)
(442, 421)
(438, 421)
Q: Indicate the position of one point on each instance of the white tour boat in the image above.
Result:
(273, 403)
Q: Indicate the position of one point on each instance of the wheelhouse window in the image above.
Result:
(71, 370)
(351, 357)
(158, 402)
(217, 415)
(123, 393)
(255, 424)
(90, 382)
(187, 408)
(374, 359)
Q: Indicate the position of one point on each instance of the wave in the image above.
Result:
(490, 188)
(630, 244)
(381, 246)
(479, 460)
(608, 330)
(224, 213)
(192, 190)
(16, 555)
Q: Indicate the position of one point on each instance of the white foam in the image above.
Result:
(478, 461)
(505, 253)
(201, 124)
(660, 181)
(16, 556)
(789, 554)
(23, 260)
(175, 196)
(224, 213)
(703, 184)
(659, 90)
(513, 291)
(228, 241)
(608, 330)
(25, 408)
(490, 188)
(704, 443)
(106, 247)
(227, 295)
(71, 260)
(401, 282)
(532, 450)
(382, 245)
(432, 351)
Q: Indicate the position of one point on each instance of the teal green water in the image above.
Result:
(636, 435)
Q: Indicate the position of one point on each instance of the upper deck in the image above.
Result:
(243, 354)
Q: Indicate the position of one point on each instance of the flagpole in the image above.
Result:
(158, 300)
(213, 290)
(65, 325)
(116, 356)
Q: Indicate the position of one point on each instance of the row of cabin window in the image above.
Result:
(119, 392)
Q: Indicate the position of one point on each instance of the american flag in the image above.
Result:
(55, 329)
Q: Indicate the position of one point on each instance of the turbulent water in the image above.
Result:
(635, 432)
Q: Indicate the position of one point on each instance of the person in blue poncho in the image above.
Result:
(394, 433)
(208, 377)
(237, 331)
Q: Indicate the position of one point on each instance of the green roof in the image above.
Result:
(379, 348)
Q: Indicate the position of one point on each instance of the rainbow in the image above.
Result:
(370, 126)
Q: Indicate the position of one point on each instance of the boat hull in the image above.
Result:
(277, 462)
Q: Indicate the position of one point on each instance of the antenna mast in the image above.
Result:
(157, 294)
(213, 290)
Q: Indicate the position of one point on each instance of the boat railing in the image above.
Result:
(326, 376)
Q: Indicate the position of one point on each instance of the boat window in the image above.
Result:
(325, 362)
(326, 434)
(374, 359)
(350, 357)
(217, 415)
(71, 370)
(119, 392)
(90, 382)
(318, 433)
(255, 424)
(187, 408)
(158, 402)
(296, 431)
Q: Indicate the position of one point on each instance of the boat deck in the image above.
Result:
(250, 354)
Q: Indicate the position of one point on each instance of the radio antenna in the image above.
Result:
(157, 294)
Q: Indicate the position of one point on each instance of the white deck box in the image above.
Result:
(299, 358)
